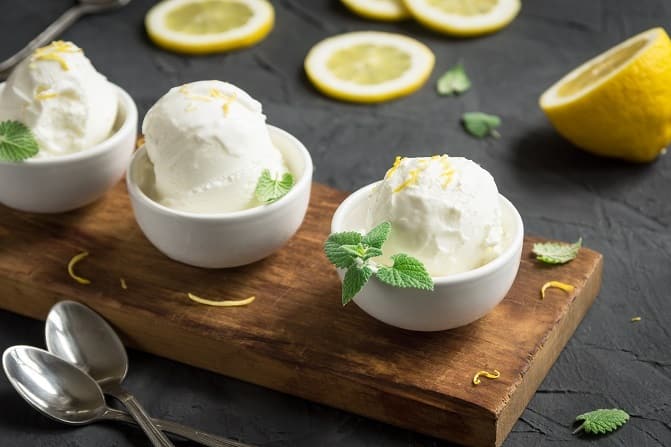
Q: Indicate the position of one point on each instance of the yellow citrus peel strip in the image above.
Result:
(568, 288)
(71, 266)
(123, 283)
(476, 378)
(635, 319)
(227, 303)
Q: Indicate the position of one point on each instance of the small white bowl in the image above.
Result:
(457, 299)
(225, 239)
(64, 183)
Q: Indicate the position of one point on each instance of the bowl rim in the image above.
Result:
(130, 109)
(495, 264)
(303, 182)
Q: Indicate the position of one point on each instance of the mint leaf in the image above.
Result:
(378, 235)
(602, 421)
(17, 141)
(406, 272)
(337, 248)
(353, 282)
(480, 124)
(454, 81)
(556, 252)
(371, 252)
(269, 190)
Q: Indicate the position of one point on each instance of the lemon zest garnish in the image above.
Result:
(53, 51)
(228, 303)
(42, 92)
(122, 281)
(448, 170)
(394, 167)
(413, 176)
(568, 288)
(71, 265)
(228, 99)
(476, 378)
(635, 319)
(184, 90)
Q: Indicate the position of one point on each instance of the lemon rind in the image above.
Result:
(377, 11)
(422, 64)
(464, 26)
(550, 99)
(255, 30)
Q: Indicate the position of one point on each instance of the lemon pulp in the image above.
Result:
(593, 73)
(368, 64)
(464, 7)
(208, 17)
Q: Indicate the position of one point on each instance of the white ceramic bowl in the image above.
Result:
(457, 299)
(225, 239)
(59, 184)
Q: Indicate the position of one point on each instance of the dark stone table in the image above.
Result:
(621, 210)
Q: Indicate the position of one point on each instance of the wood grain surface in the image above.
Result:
(296, 337)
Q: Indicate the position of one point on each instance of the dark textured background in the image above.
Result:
(621, 210)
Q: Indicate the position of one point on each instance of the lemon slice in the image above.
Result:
(464, 18)
(619, 103)
(207, 26)
(387, 10)
(369, 66)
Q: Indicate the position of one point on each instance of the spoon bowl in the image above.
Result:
(52, 386)
(83, 338)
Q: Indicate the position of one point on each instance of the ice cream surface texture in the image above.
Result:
(60, 96)
(445, 211)
(208, 143)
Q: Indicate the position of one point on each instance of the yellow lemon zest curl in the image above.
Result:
(71, 265)
(476, 378)
(122, 281)
(394, 167)
(227, 303)
(568, 288)
(635, 319)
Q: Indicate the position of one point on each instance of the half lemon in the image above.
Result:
(369, 66)
(464, 18)
(619, 103)
(386, 10)
(208, 26)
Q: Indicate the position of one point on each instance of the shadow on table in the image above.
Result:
(543, 149)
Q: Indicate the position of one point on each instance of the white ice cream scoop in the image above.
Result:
(60, 96)
(208, 144)
(445, 211)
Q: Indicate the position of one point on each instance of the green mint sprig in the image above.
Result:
(600, 422)
(269, 189)
(453, 81)
(556, 252)
(17, 142)
(354, 251)
(481, 125)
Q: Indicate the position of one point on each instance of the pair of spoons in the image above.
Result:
(85, 361)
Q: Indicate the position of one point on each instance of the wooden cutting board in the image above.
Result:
(296, 337)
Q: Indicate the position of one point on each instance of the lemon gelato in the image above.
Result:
(59, 95)
(445, 211)
(208, 143)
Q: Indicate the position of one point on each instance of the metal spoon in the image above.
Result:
(58, 389)
(64, 21)
(83, 338)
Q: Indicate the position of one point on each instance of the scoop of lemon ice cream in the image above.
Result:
(60, 96)
(208, 143)
(444, 211)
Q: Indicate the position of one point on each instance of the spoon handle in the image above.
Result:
(175, 428)
(156, 436)
(52, 31)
